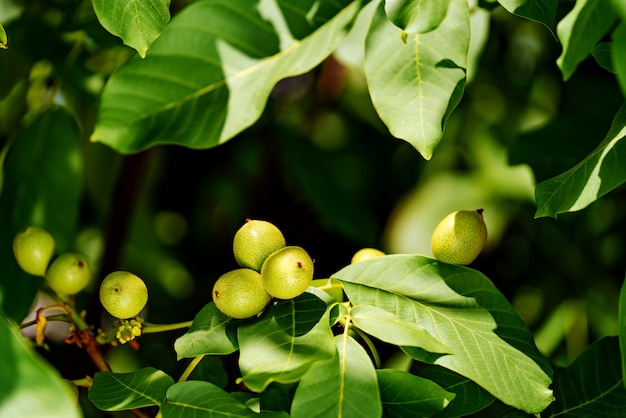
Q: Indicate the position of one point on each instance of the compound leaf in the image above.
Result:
(461, 308)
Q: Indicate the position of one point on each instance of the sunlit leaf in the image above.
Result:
(29, 386)
(416, 16)
(460, 307)
(406, 395)
(395, 330)
(42, 185)
(137, 22)
(199, 399)
(209, 75)
(345, 385)
(122, 391)
(211, 332)
(416, 82)
(596, 175)
(592, 386)
(286, 340)
(580, 30)
(543, 11)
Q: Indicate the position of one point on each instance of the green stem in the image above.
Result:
(57, 317)
(370, 345)
(152, 328)
(190, 367)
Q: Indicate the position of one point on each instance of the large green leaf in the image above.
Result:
(593, 177)
(211, 332)
(416, 82)
(209, 74)
(344, 386)
(542, 11)
(286, 340)
(462, 308)
(199, 399)
(123, 391)
(137, 22)
(41, 185)
(406, 395)
(580, 30)
(29, 386)
(416, 16)
(592, 386)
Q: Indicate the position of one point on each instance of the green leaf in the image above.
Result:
(286, 340)
(580, 30)
(602, 54)
(470, 398)
(593, 177)
(618, 55)
(491, 344)
(394, 330)
(344, 386)
(29, 386)
(41, 185)
(592, 386)
(416, 84)
(3, 38)
(406, 395)
(211, 332)
(416, 16)
(123, 391)
(542, 11)
(137, 22)
(199, 399)
(209, 74)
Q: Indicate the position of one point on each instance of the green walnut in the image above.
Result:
(239, 293)
(459, 237)
(33, 248)
(255, 241)
(366, 254)
(69, 273)
(123, 294)
(287, 272)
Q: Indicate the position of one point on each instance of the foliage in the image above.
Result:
(143, 133)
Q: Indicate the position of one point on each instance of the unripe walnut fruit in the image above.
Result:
(33, 248)
(123, 294)
(366, 254)
(287, 272)
(240, 294)
(459, 237)
(255, 241)
(69, 273)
